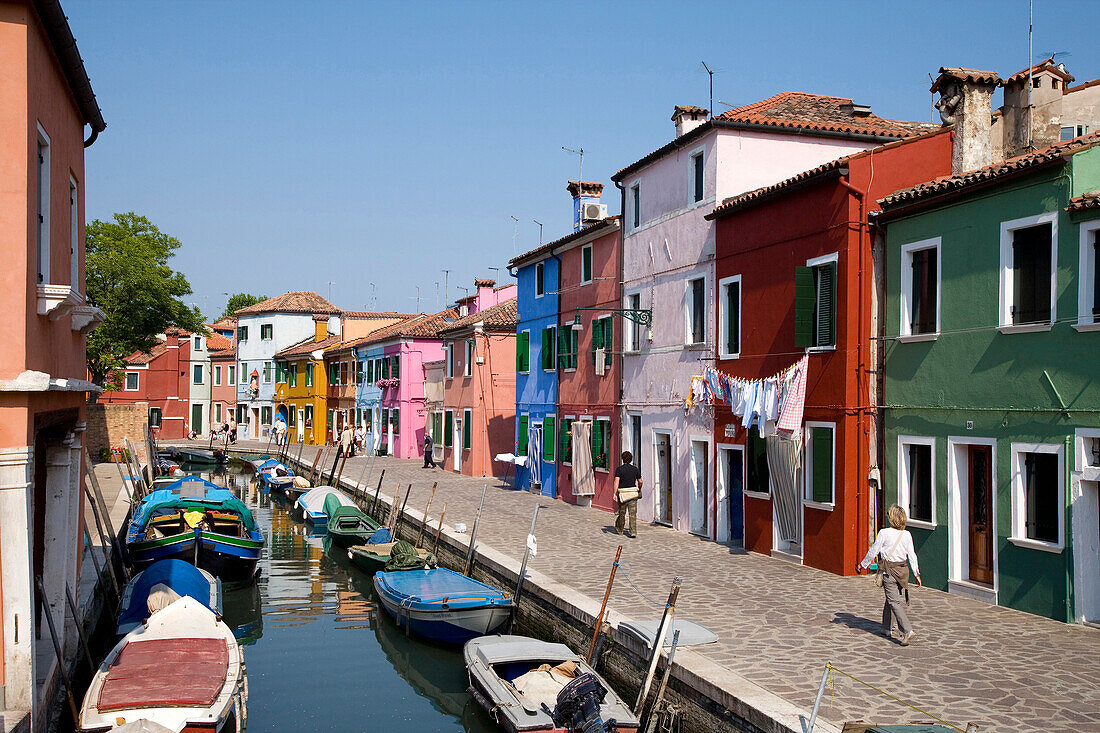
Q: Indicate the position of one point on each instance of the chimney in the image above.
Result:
(583, 192)
(687, 117)
(1033, 102)
(484, 293)
(320, 328)
(964, 102)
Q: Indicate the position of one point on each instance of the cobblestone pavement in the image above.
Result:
(779, 623)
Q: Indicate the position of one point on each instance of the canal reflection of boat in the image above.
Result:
(183, 578)
(182, 669)
(243, 612)
(441, 604)
(528, 684)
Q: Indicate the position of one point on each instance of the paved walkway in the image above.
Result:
(779, 623)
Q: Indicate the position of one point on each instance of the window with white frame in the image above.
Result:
(540, 279)
(218, 412)
(1028, 275)
(636, 205)
(820, 463)
(198, 343)
(43, 206)
(1088, 290)
(586, 264)
(920, 288)
(74, 236)
(269, 368)
(131, 381)
(697, 177)
(468, 358)
(232, 375)
(198, 378)
(696, 311)
(449, 354)
(154, 417)
(729, 317)
(1038, 495)
(217, 375)
(917, 479)
(815, 303)
(633, 329)
(267, 331)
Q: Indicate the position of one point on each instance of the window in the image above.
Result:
(697, 311)
(244, 371)
(568, 343)
(523, 351)
(601, 442)
(242, 333)
(819, 462)
(540, 279)
(218, 412)
(43, 202)
(292, 416)
(343, 370)
(917, 479)
(395, 370)
(633, 328)
(758, 477)
(370, 371)
(242, 414)
(197, 379)
(232, 374)
(1088, 292)
(1038, 500)
(268, 368)
(602, 338)
(729, 316)
(448, 428)
(309, 374)
(1027, 272)
(360, 372)
(920, 288)
(266, 332)
(636, 205)
(468, 361)
(217, 376)
(548, 444)
(292, 375)
(549, 347)
(449, 354)
(565, 438)
(467, 428)
(385, 369)
(74, 237)
(265, 415)
(309, 415)
(437, 426)
(280, 372)
(521, 435)
(815, 303)
(586, 264)
(395, 419)
(131, 381)
(1066, 133)
(154, 417)
(198, 343)
(697, 177)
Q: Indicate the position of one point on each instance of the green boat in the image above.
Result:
(348, 525)
(373, 558)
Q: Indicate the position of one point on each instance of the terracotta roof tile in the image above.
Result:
(975, 76)
(1046, 64)
(299, 301)
(366, 315)
(307, 346)
(484, 282)
(217, 342)
(948, 184)
(146, 357)
(537, 252)
(1085, 202)
(423, 325)
(500, 317)
(224, 324)
(818, 112)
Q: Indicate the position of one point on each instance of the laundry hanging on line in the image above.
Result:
(772, 404)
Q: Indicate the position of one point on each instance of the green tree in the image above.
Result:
(240, 300)
(130, 280)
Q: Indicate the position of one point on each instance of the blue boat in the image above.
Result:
(441, 604)
(316, 504)
(181, 576)
(275, 475)
(197, 521)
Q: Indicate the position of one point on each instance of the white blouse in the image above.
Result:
(886, 539)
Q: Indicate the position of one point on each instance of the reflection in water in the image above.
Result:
(321, 656)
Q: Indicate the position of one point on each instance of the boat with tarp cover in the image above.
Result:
(179, 576)
(528, 684)
(312, 504)
(373, 558)
(441, 604)
(181, 670)
(197, 521)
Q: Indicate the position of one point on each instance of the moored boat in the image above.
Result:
(527, 684)
(374, 558)
(197, 521)
(348, 525)
(200, 456)
(181, 577)
(182, 670)
(441, 604)
(274, 475)
(312, 503)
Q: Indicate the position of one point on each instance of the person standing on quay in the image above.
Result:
(429, 459)
(895, 545)
(628, 489)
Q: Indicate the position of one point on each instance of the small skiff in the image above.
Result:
(183, 578)
(348, 525)
(312, 503)
(373, 558)
(441, 604)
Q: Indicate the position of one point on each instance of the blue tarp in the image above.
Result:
(182, 577)
(191, 491)
(420, 587)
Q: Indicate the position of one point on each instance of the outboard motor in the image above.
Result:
(578, 707)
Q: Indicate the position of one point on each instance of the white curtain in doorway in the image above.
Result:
(784, 465)
(584, 480)
(534, 453)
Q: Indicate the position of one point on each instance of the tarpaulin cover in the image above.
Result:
(214, 497)
(334, 502)
(418, 587)
(179, 575)
(166, 673)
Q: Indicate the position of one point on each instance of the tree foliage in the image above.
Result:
(130, 280)
(240, 300)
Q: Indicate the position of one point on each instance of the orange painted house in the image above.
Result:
(46, 100)
(479, 381)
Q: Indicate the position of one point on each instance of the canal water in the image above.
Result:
(321, 654)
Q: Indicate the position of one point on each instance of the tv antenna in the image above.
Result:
(515, 236)
(579, 152)
(710, 112)
(446, 290)
(540, 230)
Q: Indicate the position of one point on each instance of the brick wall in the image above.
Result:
(110, 424)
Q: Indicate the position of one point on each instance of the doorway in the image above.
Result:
(731, 496)
(662, 452)
(457, 443)
(980, 513)
(196, 418)
(301, 426)
(699, 504)
(636, 439)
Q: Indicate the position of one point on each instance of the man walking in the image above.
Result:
(628, 489)
(429, 446)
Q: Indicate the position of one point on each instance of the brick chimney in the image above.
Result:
(1041, 87)
(687, 117)
(964, 102)
(583, 192)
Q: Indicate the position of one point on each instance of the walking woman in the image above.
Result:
(895, 545)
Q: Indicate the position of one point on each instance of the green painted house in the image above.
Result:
(991, 410)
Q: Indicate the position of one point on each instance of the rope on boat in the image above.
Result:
(834, 669)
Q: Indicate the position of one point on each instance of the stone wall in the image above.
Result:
(110, 424)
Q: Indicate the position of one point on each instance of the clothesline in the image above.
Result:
(774, 404)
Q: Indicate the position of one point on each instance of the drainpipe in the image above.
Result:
(558, 462)
(622, 329)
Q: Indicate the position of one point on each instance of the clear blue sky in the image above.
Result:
(290, 144)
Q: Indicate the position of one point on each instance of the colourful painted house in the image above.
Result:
(161, 378)
(301, 390)
(223, 375)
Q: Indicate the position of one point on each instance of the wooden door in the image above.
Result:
(664, 478)
(980, 512)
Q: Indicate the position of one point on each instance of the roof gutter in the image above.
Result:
(64, 45)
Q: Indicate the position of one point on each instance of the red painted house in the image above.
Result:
(794, 277)
(588, 362)
(160, 378)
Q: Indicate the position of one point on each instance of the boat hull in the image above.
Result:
(451, 627)
(225, 557)
(442, 605)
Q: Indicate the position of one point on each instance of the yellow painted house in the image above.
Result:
(301, 384)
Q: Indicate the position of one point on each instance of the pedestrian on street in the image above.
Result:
(360, 438)
(894, 545)
(628, 489)
(429, 459)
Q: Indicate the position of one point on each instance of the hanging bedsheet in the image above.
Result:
(584, 480)
(534, 453)
(785, 466)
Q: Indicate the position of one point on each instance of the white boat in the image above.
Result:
(312, 503)
(182, 670)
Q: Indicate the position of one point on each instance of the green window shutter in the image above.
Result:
(823, 465)
(466, 429)
(278, 372)
(804, 303)
(733, 318)
(539, 279)
(608, 341)
(448, 428)
(825, 323)
(548, 348)
(548, 438)
(395, 418)
(385, 369)
(597, 337)
(397, 367)
(563, 348)
(521, 436)
(574, 346)
(586, 264)
(523, 351)
(565, 440)
(309, 375)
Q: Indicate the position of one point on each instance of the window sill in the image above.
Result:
(1037, 545)
(913, 338)
(600, 470)
(820, 349)
(823, 506)
(1086, 327)
(921, 524)
(756, 494)
(730, 356)
(1024, 328)
(697, 346)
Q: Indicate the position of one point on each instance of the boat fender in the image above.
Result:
(578, 706)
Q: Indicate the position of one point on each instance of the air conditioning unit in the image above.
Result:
(593, 212)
